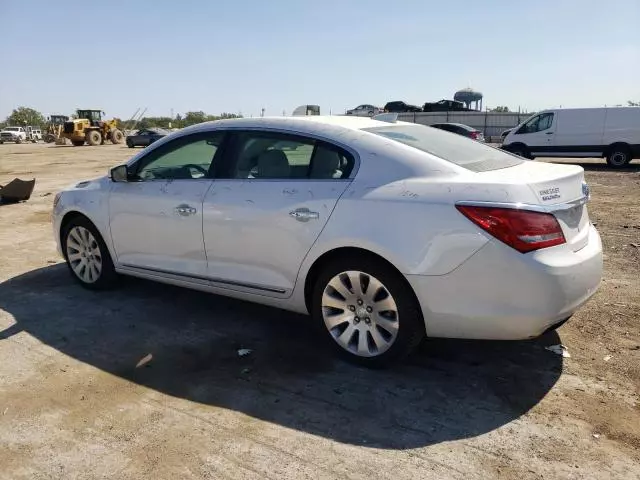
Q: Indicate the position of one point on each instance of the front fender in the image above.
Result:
(90, 199)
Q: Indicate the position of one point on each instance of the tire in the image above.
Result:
(397, 334)
(619, 156)
(94, 138)
(19, 140)
(116, 137)
(1, 142)
(129, 143)
(49, 138)
(520, 150)
(80, 237)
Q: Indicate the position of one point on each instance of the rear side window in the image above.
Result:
(273, 155)
(456, 149)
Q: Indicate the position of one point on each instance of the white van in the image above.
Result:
(613, 133)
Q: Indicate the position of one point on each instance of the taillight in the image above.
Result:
(523, 230)
(475, 135)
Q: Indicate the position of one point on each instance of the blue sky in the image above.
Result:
(242, 55)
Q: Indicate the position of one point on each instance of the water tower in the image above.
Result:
(470, 98)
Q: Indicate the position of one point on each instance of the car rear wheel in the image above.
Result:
(368, 311)
(619, 156)
(87, 255)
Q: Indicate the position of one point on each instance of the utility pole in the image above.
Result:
(262, 112)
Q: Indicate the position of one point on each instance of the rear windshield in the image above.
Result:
(462, 151)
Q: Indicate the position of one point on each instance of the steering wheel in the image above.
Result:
(199, 168)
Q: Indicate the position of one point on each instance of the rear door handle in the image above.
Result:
(304, 214)
(185, 210)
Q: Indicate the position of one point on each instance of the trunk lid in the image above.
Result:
(555, 188)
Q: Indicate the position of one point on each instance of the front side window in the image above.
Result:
(184, 158)
(264, 155)
(537, 124)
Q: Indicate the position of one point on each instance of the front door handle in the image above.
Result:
(304, 214)
(185, 210)
(549, 133)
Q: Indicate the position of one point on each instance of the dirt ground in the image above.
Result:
(145, 381)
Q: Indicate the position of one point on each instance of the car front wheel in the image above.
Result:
(368, 311)
(87, 255)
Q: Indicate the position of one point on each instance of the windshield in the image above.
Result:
(12, 129)
(462, 151)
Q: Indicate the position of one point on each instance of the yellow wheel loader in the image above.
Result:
(90, 128)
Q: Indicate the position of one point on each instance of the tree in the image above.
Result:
(25, 114)
(191, 118)
(500, 109)
(633, 104)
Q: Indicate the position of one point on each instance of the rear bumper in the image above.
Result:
(501, 294)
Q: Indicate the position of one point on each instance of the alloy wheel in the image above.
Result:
(83, 254)
(360, 313)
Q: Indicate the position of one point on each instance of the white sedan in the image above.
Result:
(382, 231)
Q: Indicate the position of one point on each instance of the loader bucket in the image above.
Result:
(16, 190)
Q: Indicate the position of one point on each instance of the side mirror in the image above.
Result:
(119, 174)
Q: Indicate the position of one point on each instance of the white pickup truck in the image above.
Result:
(20, 134)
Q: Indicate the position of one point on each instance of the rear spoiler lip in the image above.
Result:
(558, 207)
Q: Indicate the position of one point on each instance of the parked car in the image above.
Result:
(460, 129)
(383, 231)
(365, 111)
(146, 137)
(19, 134)
(445, 106)
(400, 107)
(613, 133)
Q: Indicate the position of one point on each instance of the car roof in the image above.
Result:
(309, 124)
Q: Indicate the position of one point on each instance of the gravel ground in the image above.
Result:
(145, 381)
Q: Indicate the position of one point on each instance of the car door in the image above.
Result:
(265, 211)
(537, 134)
(156, 216)
(139, 138)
